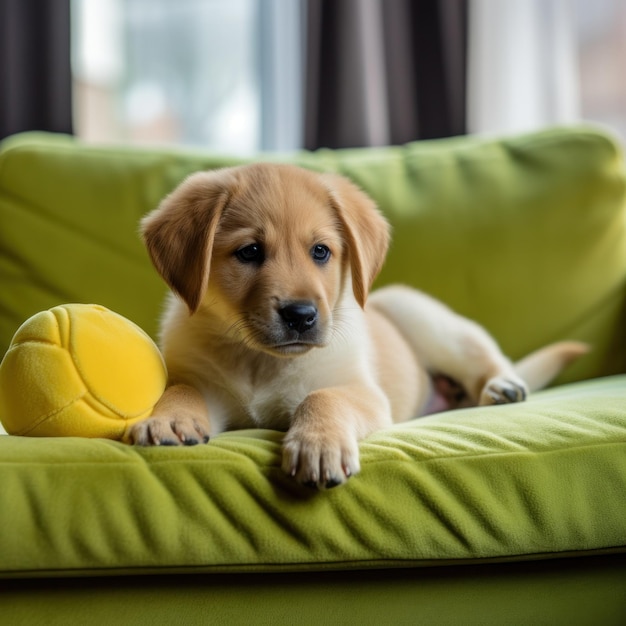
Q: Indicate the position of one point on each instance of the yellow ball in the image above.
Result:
(79, 370)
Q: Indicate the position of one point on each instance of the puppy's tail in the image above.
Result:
(540, 367)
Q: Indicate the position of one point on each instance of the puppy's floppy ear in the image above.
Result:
(366, 232)
(179, 233)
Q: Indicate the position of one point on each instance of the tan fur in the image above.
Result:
(339, 370)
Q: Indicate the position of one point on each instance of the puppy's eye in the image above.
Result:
(320, 253)
(250, 254)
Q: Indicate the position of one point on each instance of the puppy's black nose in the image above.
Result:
(300, 316)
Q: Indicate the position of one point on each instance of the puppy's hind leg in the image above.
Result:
(450, 344)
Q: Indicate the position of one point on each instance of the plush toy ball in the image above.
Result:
(79, 370)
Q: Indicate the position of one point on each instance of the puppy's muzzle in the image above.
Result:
(299, 316)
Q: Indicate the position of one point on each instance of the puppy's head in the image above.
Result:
(269, 250)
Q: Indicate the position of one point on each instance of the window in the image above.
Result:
(216, 73)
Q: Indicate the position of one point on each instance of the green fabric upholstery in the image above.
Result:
(459, 487)
(525, 234)
(566, 592)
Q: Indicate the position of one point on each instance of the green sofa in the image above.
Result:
(502, 515)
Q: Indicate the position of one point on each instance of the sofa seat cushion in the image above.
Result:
(541, 479)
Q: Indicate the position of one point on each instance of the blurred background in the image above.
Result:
(243, 76)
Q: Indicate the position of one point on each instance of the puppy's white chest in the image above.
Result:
(270, 404)
(271, 410)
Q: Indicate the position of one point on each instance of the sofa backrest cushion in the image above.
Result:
(524, 234)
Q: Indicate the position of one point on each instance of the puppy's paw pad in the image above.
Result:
(501, 390)
(333, 482)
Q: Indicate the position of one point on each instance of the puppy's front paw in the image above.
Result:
(166, 431)
(503, 390)
(318, 461)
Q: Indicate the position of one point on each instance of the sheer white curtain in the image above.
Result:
(522, 71)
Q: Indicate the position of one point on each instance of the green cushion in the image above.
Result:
(525, 234)
(536, 480)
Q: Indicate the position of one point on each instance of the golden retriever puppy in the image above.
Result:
(271, 326)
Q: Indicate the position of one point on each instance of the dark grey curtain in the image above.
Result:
(35, 73)
(384, 72)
